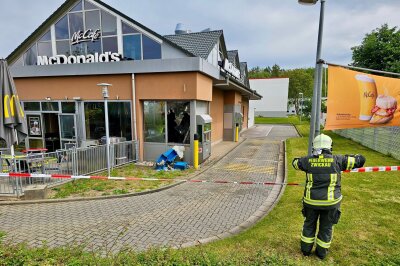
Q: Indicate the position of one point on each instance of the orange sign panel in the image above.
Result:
(357, 100)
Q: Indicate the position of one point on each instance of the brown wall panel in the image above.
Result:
(232, 97)
(204, 88)
(166, 86)
(60, 88)
(217, 114)
(245, 111)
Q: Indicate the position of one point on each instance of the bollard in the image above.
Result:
(237, 133)
(196, 151)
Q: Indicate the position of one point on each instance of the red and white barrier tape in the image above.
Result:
(58, 176)
(27, 175)
(374, 169)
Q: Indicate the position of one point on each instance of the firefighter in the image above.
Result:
(322, 195)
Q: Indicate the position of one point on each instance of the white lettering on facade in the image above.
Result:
(85, 36)
(230, 68)
(79, 59)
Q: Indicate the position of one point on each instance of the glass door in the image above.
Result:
(67, 130)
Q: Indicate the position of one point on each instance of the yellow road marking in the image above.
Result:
(249, 168)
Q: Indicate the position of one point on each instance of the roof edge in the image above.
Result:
(47, 23)
(65, 7)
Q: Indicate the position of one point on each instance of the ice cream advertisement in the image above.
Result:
(357, 100)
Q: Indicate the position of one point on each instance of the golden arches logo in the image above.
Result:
(11, 104)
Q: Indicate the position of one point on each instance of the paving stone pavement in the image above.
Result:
(184, 215)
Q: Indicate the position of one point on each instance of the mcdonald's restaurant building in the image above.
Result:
(163, 89)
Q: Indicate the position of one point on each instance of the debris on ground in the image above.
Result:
(166, 161)
(145, 163)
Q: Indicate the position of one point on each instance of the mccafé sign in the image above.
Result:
(85, 36)
(12, 104)
(78, 37)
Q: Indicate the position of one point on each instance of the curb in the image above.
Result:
(269, 204)
(45, 201)
(89, 198)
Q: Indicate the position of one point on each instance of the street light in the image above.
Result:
(106, 96)
(301, 105)
(316, 100)
(308, 2)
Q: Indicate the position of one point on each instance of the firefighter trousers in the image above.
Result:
(327, 218)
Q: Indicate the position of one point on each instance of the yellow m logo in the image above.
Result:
(12, 104)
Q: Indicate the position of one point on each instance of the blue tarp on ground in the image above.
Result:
(166, 161)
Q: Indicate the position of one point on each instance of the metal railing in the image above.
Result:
(74, 161)
(385, 140)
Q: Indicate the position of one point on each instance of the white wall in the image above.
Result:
(275, 96)
(251, 117)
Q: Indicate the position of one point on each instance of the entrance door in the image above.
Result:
(51, 129)
(67, 130)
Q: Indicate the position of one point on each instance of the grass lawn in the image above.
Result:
(291, 119)
(367, 234)
(93, 187)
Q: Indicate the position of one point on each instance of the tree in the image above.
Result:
(300, 81)
(379, 50)
(276, 71)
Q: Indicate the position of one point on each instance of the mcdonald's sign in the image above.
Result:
(12, 106)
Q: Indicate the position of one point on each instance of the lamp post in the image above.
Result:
(316, 100)
(106, 96)
(301, 105)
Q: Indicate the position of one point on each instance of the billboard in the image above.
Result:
(357, 100)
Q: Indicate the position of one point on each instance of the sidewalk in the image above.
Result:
(185, 215)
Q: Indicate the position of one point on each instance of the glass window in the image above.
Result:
(109, 24)
(151, 48)
(154, 121)
(63, 48)
(77, 7)
(68, 107)
(89, 5)
(94, 47)
(94, 120)
(110, 44)
(31, 56)
(119, 117)
(44, 48)
(178, 122)
(78, 49)
(49, 106)
(67, 124)
(46, 37)
(126, 29)
(75, 22)
(132, 47)
(62, 29)
(92, 19)
(32, 106)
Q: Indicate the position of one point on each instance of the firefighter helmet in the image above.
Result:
(322, 142)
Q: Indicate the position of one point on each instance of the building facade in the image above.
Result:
(163, 89)
(275, 97)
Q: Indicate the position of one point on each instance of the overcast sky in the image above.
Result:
(264, 31)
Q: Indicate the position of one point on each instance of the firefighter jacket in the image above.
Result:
(323, 177)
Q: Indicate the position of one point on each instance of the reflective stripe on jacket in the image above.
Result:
(323, 177)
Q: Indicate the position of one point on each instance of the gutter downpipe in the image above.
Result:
(134, 117)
